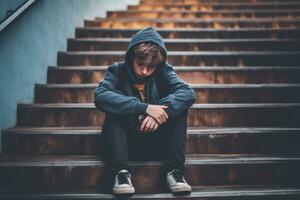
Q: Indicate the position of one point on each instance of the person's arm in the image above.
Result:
(181, 95)
(108, 98)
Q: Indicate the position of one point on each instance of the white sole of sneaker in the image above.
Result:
(180, 189)
(128, 190)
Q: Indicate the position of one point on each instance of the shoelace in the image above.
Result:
(177, 175)
(123, 178)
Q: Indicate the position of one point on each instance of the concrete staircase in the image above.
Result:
(242, 58)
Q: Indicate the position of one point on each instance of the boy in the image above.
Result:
(146, 106)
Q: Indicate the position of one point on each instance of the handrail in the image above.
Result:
(16, 14)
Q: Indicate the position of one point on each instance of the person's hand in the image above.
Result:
(148, 125)
(158, 113)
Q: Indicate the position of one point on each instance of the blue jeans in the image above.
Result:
(122, 142)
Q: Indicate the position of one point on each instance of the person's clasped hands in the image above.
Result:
(156, 115)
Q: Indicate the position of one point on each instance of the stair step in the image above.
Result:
(216, 115)
(260, 192)
(88, 171)
(92, 32)
(194, 23)
(121, 44)
(154, 14)
(151, 2)
(216, 6)
(88, 140)
(188, 58)
(240, 5)
(205, 93)
(192, 75)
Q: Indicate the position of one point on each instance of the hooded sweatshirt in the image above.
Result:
(117, 93)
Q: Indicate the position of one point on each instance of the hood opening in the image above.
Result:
(147, 35)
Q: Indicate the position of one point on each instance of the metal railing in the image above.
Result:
(7, 21)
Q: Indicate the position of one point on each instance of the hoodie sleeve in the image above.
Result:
(108, 98)
(181, 95)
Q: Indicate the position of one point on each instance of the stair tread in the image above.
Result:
(212, 85)
(196, 20)
(92, 160)
(191, 40)
(197, 191)
(191, 130)
(227, 3)
(210, 105)
(206, 4)
(207, 11)
(186, 52)
(186, 68)
(190, 29)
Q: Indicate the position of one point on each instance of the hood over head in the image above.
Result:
(147, 34)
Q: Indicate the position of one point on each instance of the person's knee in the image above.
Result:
(182, 115)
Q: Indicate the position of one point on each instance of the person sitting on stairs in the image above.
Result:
(146, 107)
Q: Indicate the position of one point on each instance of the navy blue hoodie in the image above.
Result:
(116, 92)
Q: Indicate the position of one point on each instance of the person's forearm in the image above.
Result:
(112, 102)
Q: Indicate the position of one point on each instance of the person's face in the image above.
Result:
(142, 70)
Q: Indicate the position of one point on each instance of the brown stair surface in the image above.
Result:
(218, 14)
(205, 93)
(191, 58)
(89, 171)
(117, 44)
(87, 140)
(145, 2)
(78, 114)
(215, 6)
(192, 75)
(241, 57)
(91, 32)
(263, 192)
(194, 23)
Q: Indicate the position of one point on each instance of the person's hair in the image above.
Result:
(149, 54)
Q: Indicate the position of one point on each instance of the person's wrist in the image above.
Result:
(141, 108)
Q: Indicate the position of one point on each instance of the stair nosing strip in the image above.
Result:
(213, 193)
(187, 53)
(194, 86)
(57, 161)
(184, 68)
(98, 132)
(193, 29)
(209, 11)
(190, 40)
(194, 106)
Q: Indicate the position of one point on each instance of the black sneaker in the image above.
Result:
(176, 182)
(123, 183)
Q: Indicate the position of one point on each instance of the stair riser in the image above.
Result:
(85, 144)
(75, 76)
(192, 77)
(74, 45)
(203, 95)
(274, 33)
(191, 24)
(208, 15)
(198, 117)
(210, 7)
(211, 174)
(147, 2)
(291, 59)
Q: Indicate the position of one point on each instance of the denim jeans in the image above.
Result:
(122, 142)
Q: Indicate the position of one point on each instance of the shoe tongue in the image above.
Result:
(123, 177)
